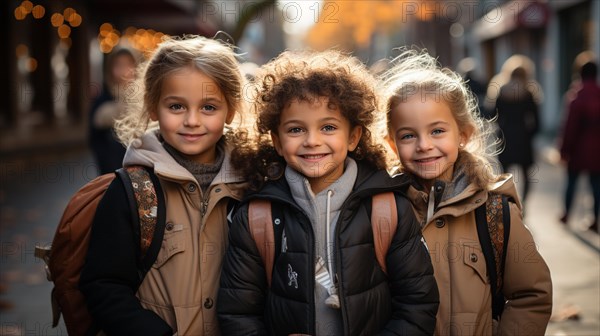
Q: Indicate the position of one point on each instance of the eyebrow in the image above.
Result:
(300, 121)
(433, 124)
(207, 99)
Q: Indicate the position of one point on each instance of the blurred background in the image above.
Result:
(52, 64)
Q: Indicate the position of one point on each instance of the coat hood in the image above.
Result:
(149, 151)
(461, 195)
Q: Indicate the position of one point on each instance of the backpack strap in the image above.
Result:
(384, 221)
(145, 194)
(493, 229)
(261, 229)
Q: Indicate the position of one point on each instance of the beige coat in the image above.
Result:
(182, 285)
(460, 269)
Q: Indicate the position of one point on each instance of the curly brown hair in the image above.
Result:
(306, 76)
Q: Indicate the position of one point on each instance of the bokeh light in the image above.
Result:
(38, 11)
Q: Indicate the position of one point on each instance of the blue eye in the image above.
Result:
(437, 131)
(329, 128)
(295, 130)
(209, 108)
(406, 136)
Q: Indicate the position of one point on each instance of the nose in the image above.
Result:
(424, 144)
(312, 139)
(192, 119)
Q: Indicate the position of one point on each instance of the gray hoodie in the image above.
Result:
(328, 320)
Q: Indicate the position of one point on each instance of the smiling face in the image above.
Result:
(314, 139)
(191, 114)
(426, 137)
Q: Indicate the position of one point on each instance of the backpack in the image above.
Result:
(66, 256)
(492, 221)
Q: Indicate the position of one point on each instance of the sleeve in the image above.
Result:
(569, 135)
(243, 290)
(534, 116)
(415, 296)
(109, 279)
(527, 283)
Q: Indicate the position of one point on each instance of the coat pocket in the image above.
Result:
(173, 243)
(473, 258)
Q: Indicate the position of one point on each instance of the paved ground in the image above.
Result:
(33, 193)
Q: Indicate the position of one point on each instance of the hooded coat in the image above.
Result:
(459, 264)
(179, 292)
(403, 301)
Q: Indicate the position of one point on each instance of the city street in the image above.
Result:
(33, 193)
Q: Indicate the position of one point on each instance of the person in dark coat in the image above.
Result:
(119, 73)
(581, 140)
(518, 120)
(323, 166)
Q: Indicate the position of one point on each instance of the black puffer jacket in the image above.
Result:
(404, 302)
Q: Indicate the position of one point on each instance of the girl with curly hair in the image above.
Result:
(316, 163)
(439, 136)
(192, 90)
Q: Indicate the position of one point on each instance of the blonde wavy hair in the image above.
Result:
(213, 58)
(417, 72)
(305, 76)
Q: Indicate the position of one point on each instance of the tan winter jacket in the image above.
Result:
(182, 285)
(460, 269)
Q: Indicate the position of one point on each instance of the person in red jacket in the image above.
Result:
(581, 139)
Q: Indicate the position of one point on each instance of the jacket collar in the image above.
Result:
(369, 181)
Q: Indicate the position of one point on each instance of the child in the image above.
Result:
(438, 134)
(192, 88)
(322, 168)
(107, 107)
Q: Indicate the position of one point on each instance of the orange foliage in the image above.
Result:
(351, 24)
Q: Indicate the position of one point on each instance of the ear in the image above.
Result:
(276, 143)
(154, 115)
(465, 135)
(354, 138)
(230, 116)
(391, 143)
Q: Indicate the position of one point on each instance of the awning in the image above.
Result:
(500, 20)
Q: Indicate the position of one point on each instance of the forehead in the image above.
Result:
(311, 109)
(190, 81)
(420, 110)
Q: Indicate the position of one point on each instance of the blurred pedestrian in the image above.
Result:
(107, 107)
(581, 139)
(466, 67)
(518, 122)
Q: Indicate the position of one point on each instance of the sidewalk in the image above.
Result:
(572, 252)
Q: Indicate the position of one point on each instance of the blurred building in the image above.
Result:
(54, 54)
(550, 33)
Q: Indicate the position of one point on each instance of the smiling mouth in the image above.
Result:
(191, 136)
(427, 160)
(313, 156)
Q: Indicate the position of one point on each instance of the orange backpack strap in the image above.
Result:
(384, 221)
(261, 229)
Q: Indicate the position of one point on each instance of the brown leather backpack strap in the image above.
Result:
(261, 229)
(384, 221)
